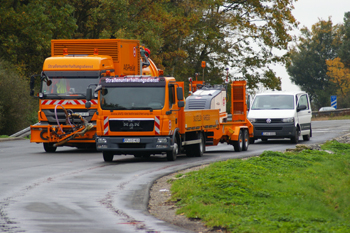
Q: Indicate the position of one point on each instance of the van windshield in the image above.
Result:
(273, 102)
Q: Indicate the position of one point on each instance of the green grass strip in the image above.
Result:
(275, 192)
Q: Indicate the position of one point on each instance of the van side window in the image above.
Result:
(171, 96)
(303, 101)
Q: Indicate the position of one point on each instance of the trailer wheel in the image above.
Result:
(48, 147)
(198, 149)
(108, 156)
(245, 140)
(238, 145)
(171, 155)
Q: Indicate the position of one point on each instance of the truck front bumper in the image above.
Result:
(134, 145)
(273, 130)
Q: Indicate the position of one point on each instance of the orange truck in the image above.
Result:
(73, 66)
(145, 115)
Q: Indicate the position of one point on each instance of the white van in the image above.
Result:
(280, 114)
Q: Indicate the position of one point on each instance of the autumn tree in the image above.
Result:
(240, 35)
(339, 75)
(307, 61)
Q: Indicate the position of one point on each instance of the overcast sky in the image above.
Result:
(308, 12)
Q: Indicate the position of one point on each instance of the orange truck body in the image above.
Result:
(80, 62)
(152, 119)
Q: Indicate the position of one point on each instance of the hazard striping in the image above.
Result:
(157, 124)
(105, 125)
(66, 102)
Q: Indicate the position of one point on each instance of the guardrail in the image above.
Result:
(337, 112)
(23, 133)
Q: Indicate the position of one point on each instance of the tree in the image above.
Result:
(344, 51)
(339, 75)
(306, 65)
(27, 28)
(242, 35)
(15, 110)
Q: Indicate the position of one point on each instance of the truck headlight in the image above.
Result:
(288, 120)
(101, 140)
(162, 140)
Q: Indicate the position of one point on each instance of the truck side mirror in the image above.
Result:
(181, 104)
(88, 94)
(31, 83)
(180, 93)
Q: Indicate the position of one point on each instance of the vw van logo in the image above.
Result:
(268, 120)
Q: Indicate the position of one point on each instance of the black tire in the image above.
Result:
(171, 155)
(245, 140)
(108, 156)
(295, 138)
(198, 149)
(308, 136)
(189, 151)
(48, 147)
(238, 145)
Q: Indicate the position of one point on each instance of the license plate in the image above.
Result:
(269, 133)
(131, 140)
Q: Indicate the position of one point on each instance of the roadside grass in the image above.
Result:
(4, 136)
(275, 192)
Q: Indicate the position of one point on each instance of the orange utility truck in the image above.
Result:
(144, 115)
(73, 66)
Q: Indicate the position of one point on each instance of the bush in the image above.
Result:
(16, 108)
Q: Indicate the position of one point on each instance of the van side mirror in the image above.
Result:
(180, 93)
(301, 107)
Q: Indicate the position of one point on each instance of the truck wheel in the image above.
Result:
(295, 138)
(171, 155)
(198, 149)
(237, 145)
(107, 156)
(48, 147)
(245, 140)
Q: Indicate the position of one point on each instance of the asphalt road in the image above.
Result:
(76, 191)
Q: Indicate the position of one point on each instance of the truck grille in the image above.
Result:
(124, 125)
(51, 117)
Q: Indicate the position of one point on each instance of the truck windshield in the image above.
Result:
(271, 102)
(67, 86)
(132, 98)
